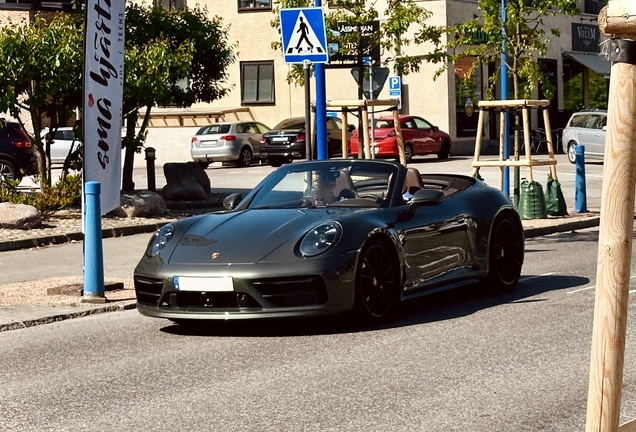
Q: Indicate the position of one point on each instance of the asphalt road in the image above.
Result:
(459, 361)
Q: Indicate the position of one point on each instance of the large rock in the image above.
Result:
(185, 182)
(19, 216)
(143, 203)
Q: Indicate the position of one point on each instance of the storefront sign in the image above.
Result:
(585, 37)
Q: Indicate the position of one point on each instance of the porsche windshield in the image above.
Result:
(320, 185)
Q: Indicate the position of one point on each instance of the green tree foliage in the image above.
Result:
(523, 34)
(163, 49)
(40, 76)
(402, 23)
(41, 70)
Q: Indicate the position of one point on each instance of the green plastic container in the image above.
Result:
(554, 199)
(532, 201)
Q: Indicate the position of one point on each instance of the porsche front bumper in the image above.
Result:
(313, 287)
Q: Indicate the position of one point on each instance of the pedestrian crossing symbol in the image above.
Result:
(304, 35)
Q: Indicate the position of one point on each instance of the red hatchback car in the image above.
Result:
(420, 138)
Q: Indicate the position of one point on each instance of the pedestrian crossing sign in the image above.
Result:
(304, 35)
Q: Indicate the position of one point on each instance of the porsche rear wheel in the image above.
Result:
(505, 255)
(377, 282)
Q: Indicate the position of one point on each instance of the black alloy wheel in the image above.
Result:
(505, 255)
(246, 157)
(444, 152)
(377, 282)
(408, 152)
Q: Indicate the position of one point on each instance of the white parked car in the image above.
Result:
(64, 142)
(587, 128)
(228, 142)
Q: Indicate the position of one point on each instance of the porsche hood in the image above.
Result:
(244, 237)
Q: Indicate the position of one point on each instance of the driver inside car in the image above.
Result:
(324, 189)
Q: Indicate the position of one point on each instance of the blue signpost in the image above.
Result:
(304, 37)
(504, 96)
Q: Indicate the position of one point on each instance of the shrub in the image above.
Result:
(67, 192)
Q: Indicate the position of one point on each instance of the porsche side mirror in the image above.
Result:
(231, 201)
(425, 197)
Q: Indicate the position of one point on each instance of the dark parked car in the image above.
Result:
(324, 237)
(17, 158)
(419, 136)
(286, 141)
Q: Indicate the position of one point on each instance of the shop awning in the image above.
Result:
(595, 62)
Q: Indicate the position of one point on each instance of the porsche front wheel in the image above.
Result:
(377, 282)
(505, 255)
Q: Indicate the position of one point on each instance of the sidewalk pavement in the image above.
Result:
(16, 317)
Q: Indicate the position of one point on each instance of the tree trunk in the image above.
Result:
(130, 145)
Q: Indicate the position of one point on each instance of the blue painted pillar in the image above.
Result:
(580, 193)
(321, 107)
(504, 96)
(93, 255)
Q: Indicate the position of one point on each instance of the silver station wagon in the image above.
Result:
(227, 142)
(586, 128)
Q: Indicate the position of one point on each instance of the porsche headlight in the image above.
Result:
(320, 238)
(160, 239)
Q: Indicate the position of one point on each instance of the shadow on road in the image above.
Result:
(436, 307)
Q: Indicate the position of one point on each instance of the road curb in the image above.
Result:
(6, 246)
(116, 307)
(562, 227)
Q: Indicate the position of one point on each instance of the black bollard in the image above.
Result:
(150, 167)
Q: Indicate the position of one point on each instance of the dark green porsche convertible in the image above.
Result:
(325, 237)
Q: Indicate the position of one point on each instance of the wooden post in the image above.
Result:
(616, 228)
(480, 130)
(548, 137)
(365, 132)
(345, 134)
(398, 137)
(526, 139)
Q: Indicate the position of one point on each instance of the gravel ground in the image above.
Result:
(66, 291)
(40, 292)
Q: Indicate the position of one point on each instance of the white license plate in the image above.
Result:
(279, 139)
(203, 284)
(209, 143)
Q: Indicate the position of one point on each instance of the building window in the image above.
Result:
(257, 82)
(170, 4)
(254, 5)
(468, 92)
(594, 6)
